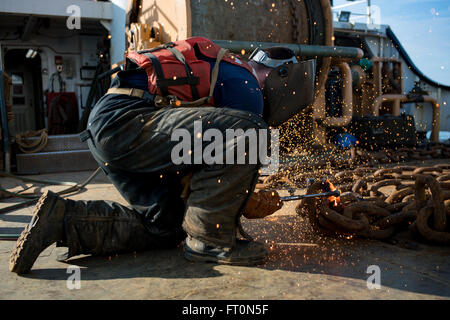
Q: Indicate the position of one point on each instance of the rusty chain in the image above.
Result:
(420, 200)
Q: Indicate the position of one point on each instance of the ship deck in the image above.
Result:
(301, 265)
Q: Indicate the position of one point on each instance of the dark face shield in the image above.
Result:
(288, 90)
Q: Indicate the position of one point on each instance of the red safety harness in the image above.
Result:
(175, 74)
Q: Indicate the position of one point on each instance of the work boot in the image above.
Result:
(244, 253)
(45, 228)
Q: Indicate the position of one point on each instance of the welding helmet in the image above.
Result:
(288, 85)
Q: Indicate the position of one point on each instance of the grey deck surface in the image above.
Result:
(301, 265)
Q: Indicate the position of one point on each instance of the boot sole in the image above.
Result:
(197, 257)
(25, 253)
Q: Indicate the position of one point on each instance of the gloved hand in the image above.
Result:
(262, 204)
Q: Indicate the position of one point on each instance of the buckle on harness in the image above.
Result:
(170, 100)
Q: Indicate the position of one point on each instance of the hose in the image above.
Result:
(32, 146)
(73, 187)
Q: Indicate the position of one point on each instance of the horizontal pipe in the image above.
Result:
(385, 59)
(299, 49)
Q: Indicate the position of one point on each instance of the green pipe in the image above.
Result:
(300, 49)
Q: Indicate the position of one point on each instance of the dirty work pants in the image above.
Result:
(135, 151)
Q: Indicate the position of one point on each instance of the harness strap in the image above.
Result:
(189, 74)
(159, 72)
(138, 93)
(173, 101)
(178, 82)
(215, 71)
(164, 83)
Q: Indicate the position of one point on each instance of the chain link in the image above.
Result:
(420, 200)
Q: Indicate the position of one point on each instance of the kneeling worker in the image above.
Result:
(163, 91)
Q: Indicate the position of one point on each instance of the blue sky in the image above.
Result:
(423, 27)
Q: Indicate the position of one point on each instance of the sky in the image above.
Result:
(423, 28)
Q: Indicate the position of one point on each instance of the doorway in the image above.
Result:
(24, 68)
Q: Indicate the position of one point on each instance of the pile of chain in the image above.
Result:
(370, 158)
(403, 154)
(420, 201)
